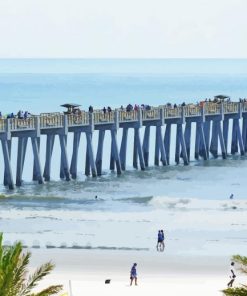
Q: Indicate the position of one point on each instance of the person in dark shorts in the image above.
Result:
(159, 242)
(232, 275)
(133, 274)
(162, 244)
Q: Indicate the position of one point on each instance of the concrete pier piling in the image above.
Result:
(74, 159)
(99, 156)
(212, 134)
(145, 145)
(123, 149)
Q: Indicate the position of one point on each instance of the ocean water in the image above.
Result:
(190, 203)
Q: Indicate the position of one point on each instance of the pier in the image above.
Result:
(211, 137)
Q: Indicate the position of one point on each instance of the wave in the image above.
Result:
(136, 199)
(114, 202)
(165, 202)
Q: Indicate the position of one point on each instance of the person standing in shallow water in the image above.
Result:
(133, 274)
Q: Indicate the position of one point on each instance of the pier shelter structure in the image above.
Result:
(211, 132)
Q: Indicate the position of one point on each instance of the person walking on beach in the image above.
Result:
(231, 196)
(232, 275)
(159, 242)
(162, 247)
(133, 274)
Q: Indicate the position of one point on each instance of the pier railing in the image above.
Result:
(51, 120)
(172, 112)
(244, 106)
(101, 118)
(230, 107)
(126, 116)
(78, 119)
(22, 123)
(2, 125)
(152, 114)
(192, 110)
(212, 108)
(56, 119)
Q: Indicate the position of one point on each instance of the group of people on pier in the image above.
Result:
(145, 107)
(20, 115)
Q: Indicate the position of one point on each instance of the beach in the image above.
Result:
(91, 240)
(157, 272)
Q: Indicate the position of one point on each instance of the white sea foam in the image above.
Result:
(166, 202)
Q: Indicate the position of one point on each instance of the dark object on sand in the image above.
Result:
(108, 281)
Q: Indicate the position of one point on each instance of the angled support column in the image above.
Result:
(87, 162)
(222, 143)
(115, 151)
(225, 132)
(197, 142)
(187, 137)
(37, 160)
(161, 145)
(74, 159)
(123, 148)
(234, 145)
(91, 154)
(206, 129)
(177, 149)
(156, 149)
(99, 155)
(6, 173)
(167, 142)
(244, 133)
(36, 169)
(112, 161)
(7, 166)
(25, 140)
(64, 167)
(202, 141)
(135, 163)
(49, 149)
(64, 157)
(182, 143)
(145, 146)
(20, 157)
(214, 140)
(139, 149)
(62, 164)
(239, 137)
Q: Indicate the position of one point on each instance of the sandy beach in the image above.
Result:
(88, 269)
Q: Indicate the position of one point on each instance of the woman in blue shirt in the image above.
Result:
(133, 274)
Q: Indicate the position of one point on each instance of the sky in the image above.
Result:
(123, 29)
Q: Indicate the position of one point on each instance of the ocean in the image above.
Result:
(190, 203)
